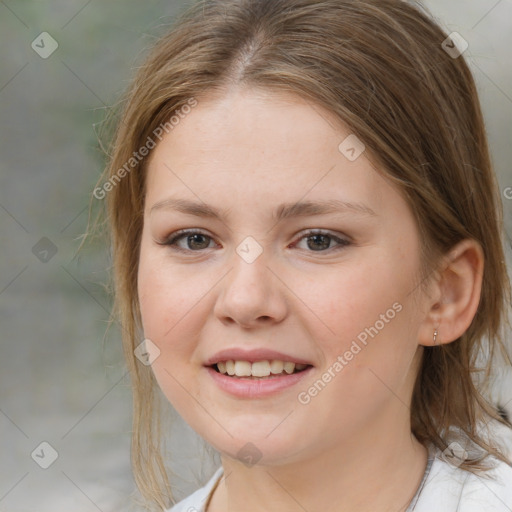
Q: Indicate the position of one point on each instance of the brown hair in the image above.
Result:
(380, 67)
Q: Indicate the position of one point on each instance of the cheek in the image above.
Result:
(175, 302)
(367, 319)
(162, 304)
(154, 302)
(167, 312)
(164, 293)
(350, 302)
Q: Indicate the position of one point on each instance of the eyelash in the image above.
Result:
(174, 237)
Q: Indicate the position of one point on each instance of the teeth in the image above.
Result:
(289, 367)
(258, 368)
(276, 366)
(242, 368)
(230, 367)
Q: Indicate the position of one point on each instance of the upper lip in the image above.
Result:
(257, 354)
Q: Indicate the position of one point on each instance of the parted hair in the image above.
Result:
(381, 67)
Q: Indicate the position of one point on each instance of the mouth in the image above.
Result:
(258, 370)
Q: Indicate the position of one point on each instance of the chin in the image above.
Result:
(259, 448)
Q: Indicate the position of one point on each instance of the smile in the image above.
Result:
(258, 369)
(258, 379)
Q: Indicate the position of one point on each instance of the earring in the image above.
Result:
(435, 336)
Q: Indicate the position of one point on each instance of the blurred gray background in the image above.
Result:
(62, 381)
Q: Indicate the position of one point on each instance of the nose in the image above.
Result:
(251, 294)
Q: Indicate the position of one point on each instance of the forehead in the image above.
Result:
(245, 119)
(260, 146)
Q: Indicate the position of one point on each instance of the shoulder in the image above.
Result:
(197, 500)
(450, 488)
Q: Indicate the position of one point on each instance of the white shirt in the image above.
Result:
(445, 488)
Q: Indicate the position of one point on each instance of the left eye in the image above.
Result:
(196, 240)
(322, 240)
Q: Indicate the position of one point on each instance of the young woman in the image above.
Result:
(306, 233)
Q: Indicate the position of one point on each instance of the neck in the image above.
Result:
(376, 469)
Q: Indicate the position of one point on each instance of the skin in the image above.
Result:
(350, 448)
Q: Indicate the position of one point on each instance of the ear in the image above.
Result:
(456, 294)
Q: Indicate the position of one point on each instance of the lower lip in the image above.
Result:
(256, 388)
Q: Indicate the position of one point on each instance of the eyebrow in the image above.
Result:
(284, 211)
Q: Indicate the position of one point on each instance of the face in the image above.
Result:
(334, 290)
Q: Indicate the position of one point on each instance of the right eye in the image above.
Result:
(194, 239)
